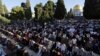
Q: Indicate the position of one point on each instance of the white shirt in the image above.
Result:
(78, 37)
(75, 49)
(70, 42)
(50, 44)
(31, 43)
(81, 51)
(50, 36)
(63, 47)
(44, 33)
(54, 35)
(2, 51)
(74, 41)
(64, 35)
(71, 34)
(88, 35)
(71, 30)
(40, 50)
(58, 45)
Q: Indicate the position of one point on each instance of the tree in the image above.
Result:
(1, 7)
(48, 11)
(60, 10)
(17, 13)
(5, 9)
(28, 12)
(51, 7)
(45, 16)
(28, 3)
(23, 5)
(4, 20)
(91, 9)
(38, 11)
(70, 14)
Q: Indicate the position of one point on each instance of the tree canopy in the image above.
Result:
(92, 9)
(4, 20)
(48, 11)
(17, 13)
(70, 14)
(44, 13)
(38, 11)
(5, 9)
(28, 12)
(1, 8)
(27, 9)
(60, 10)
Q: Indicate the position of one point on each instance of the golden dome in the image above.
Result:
(77, 7)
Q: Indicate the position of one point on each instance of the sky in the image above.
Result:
(68, 3)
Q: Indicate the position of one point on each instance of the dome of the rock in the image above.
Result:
(77, 8)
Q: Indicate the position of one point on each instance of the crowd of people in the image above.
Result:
(58, 38)
(9, 48)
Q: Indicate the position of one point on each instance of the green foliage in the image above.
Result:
(50, 7)
(48, 11)
(38, 11)
(70, 14)
(60, 11)
(45, 16)
(5, 9)
(44, 13)
(1, 8)
(4, 20)
(27, 3)
(91, 9)
(17, 13)
(28, 12)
